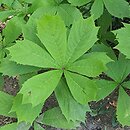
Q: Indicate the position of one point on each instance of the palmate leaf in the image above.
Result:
(6, 102)
(82, 88)
(91, 64)
(97, 9)
(38, 88)
(123, 108)
(71, 109)
(52, 33)
(118, 8)
(28, 53)
(78, 2)
(124, 40)
(82, 37)
(118, 70)
(55, 118)
(25, 112)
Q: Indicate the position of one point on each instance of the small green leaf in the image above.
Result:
(91, 64)
(9, 34)
(55, 118)
(5, 14)
(123, 108)
(126, 84)
(118, 70)
(28, 53)
(6, 102)
(97, 9)
(124, 39)
(68, 13)
(38, 88)
(12, 126)
(79, 2)
(118, 8)
(52, 33)
(25, 112)
(71, 109)
(82, 88)
(82, 37)
(105, 87)
(37, 126)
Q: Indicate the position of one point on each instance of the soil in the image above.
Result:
(102, 117)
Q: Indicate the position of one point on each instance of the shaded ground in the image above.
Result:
(102, 118)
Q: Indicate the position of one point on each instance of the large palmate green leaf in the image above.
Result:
(12, 126)
(38, 88)
(124, 40)
(104, 88)
(55, 118)
(82, 88)
(91, 64)
(118, 8)
(123, 108)
(28, 53)
(10, 68)
(6, 102)
(79, 2)
(52, 33)
(118, 70)
(97, 8)
(71, 109)
(82, 37)
(25, 112)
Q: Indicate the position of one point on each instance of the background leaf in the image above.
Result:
(55, 118)
(123, 108)
(118, 8)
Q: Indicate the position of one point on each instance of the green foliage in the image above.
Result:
(54, 49)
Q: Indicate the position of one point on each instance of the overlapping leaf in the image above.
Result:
(69, 107)
(6, 102)
(25, 112)
(82, 37)
(90, 64)
(28, 53)
(52, 33)
(38, 88)
(118, 70)
(55, 118)
(82, 88)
